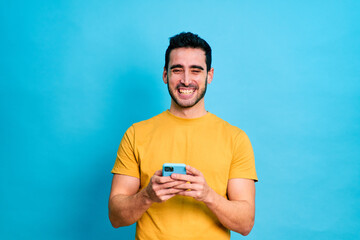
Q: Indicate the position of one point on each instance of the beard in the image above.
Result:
(190, 104)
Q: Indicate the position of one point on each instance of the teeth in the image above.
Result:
(186, 91)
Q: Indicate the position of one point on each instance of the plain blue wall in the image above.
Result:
(74, 75)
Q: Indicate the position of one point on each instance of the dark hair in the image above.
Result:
(188, 39)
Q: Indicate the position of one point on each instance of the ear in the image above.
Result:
(210, 75)
(165, 76)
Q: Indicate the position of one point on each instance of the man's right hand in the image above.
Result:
(162, 188)
(127, 204)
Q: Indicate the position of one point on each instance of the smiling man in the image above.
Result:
(189, 78)
(217, 194)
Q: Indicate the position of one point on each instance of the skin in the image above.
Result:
(187, 72)
(187, 78)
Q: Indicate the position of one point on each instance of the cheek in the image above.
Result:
(173, 80)
(201, 80)
(172, 84)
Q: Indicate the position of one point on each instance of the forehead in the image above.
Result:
(187, 56)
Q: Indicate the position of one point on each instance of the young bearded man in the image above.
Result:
(218, 192)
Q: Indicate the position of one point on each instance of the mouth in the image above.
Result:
(186, 91)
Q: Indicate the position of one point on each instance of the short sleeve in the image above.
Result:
(243, 162)
(126, 162)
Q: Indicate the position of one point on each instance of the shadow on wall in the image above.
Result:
(134, 96)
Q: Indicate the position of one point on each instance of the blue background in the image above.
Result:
(74, 75)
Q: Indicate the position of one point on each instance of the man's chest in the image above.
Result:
(209, 152)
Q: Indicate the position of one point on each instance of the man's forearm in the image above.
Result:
(237, 216)
(126, 210)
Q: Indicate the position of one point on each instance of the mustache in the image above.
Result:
(181, 85)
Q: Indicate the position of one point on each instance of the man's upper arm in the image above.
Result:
(124, 185)
(241, 189)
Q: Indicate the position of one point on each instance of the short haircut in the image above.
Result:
(190, 40)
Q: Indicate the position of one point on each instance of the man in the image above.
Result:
(218, 192)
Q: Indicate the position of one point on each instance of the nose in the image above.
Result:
(186, 78)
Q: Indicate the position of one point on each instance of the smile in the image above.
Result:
(186, 91)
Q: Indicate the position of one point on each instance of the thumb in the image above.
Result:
(158, 173)
(192, 171)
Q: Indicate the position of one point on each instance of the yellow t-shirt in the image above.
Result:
(213, 146)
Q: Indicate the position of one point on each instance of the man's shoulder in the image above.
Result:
(225, 124)
(155, 120)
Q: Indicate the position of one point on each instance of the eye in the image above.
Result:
(196, 71)
(177, 70)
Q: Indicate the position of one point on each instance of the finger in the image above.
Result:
(193, 171)
(167, 197)
(162, 180)
(168, 191)
(172, 184)
(193, 194)
(158, 173)
(189, 186)
(183, 177)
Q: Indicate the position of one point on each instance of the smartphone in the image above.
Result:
(170, 168)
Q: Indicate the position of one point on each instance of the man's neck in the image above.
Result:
(195, 111)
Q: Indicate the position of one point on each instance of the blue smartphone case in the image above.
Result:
(170, 168)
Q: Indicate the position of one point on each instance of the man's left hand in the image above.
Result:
(195, 185)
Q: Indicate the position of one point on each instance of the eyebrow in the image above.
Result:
(176, 66)
(197, 66)
(181, 66)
